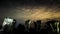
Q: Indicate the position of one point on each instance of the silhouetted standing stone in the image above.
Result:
(8, 24)
(38, 25)
(53, 26)
(27, 25)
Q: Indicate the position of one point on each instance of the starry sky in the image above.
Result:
(29, 9)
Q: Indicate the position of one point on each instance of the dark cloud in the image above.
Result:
(28, 2)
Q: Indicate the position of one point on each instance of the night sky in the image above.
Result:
(23, 10)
